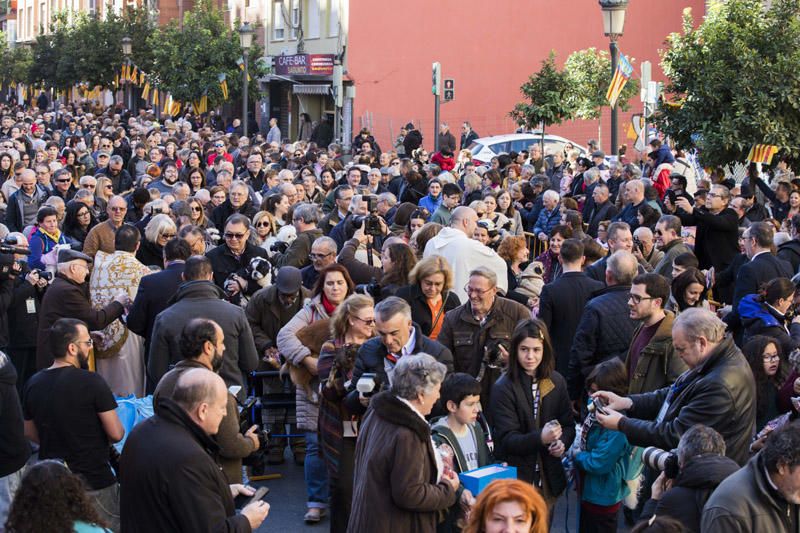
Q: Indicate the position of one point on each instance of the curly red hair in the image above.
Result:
(506, 490)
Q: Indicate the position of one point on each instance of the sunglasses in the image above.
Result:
(262, 225)
(237, 236)
(168, 235)
(60, 181)
(87, 186)
(109, 186)
(196, 208)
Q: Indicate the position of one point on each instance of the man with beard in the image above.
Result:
(68, 297)
(71, 413)
(202, 345)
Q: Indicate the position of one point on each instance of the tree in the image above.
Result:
(546, 93)
(589, 75)
(187, 63)
(734, 81)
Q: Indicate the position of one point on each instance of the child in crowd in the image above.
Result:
(460, 441)
(604, 458)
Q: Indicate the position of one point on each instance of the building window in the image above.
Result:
(312, 16)
(295, 17)
(333, 19)
(278, 28)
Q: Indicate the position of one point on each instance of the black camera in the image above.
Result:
(373, 288)
(371, 222)
(45, 275)
(637, 244)
(661, 460)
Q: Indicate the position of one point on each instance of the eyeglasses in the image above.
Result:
(480, 214)
(118, 209)
(658, 232)
(635, 298)
(713, 195)
(771, 357)
(366, 321)
(317, 257)
(83, 214)
(480, 292)
(237, 236)
(90, 342)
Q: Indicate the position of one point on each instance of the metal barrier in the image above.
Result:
(535, 246)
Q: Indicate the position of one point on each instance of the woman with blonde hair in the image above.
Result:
(429, 295)
(157, 233)
(503, 503)
(352, 324)
(265, 228)
(197, 214)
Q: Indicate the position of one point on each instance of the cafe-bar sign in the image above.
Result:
(304, 65)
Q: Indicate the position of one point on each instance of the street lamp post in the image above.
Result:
(613, 24)
(127, 49)
(246, 40)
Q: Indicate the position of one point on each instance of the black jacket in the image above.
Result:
(607, 211)
(690, 490)
(371, 356)
(604, 331)
(519, 436)
(420, 312)
(14, 447)
(719, 393)
(747, 502)
(122, 182)
(225, 264)
(154, 292)
(150, 254)
(561, 306)
(790, 251)
(170, 481)
(21, 320)
(749, 279)
(221, 213)
(412, 141)
(467, 139)
(717, 236)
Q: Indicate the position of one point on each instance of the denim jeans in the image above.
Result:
(316, 474)
(8, 486)
(106, 503)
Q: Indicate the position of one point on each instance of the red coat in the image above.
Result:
(446, 163)
(661, 180)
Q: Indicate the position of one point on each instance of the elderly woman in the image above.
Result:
(428, 294)
(45, 237)
(472, 188)
(352, 324)
(332, 288)
(508, 505)
(158, 231)
(399, 484)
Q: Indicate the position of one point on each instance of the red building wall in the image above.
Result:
(489, 48)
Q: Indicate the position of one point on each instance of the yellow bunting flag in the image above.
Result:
(762, 153)
(141, 78)
(223, 84)
(155, 97)
(176, 108)
(146, 91)
(134, 75)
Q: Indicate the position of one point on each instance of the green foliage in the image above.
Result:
(589, 75)
(188, 63)
(15, 63)
(738, 78)
(546, 94)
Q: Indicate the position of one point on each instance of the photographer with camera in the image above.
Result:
(717, 390)
(644, 248)
(688, 477)
(478, 333)
(23, 311)
(305, 218)
(201, 344)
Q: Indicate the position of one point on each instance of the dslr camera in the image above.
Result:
(492, 355)
(370, 222)
(662, 460)
(45, 275)
(373, 288)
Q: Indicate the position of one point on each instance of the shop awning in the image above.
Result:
(316, 88)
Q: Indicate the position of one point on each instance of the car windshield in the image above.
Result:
(474, 148)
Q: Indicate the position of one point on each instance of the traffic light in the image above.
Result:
(449, 89)
(437, 79)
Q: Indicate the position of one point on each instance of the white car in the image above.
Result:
(485, 148)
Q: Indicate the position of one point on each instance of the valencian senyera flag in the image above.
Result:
(762, 153)
(621, 77)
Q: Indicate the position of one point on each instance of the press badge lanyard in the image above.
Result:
(674, 390)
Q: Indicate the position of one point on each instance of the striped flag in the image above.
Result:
(621, 77)
(762, 153)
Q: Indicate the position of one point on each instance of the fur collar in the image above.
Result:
(392, 410)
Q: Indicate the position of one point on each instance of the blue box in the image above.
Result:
(477, 480)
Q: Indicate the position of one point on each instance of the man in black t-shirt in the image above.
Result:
(71, 413)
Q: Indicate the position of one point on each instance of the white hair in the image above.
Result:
(550, 194)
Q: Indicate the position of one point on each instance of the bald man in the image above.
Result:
(169, 479)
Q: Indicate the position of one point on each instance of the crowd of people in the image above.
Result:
(621, 328)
